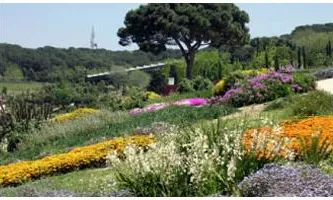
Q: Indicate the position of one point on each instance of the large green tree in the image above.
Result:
(189, 26)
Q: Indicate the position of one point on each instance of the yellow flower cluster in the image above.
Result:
(219, 87)
(254, 71)
(73, 115)
(87, 156)
(153, 95)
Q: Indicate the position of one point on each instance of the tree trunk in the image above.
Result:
(189, 65)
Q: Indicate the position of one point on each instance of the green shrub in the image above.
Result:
(19, 117)
(312, 103)
(200, 83)
(306, 81)
(186, 85)
(279, 103)
(318, 150)
(157, 82)
(138, 79)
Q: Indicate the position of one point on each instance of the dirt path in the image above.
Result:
(326, 85)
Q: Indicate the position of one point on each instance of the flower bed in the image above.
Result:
(294, 132)
(265, 87)
(80, 157)
(73, 115)
(158, 106)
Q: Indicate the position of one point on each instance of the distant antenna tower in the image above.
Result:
(93, 45)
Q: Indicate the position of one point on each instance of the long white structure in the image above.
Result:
(151, 67)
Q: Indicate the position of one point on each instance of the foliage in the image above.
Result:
(166, 26)
(19, 117)
(306, 82)
(200, 83)
(138, 79)
(319, 149)
(77, 158)
(49, 64)
(13, 73)
(186, 85)
(158, 82)
(312, 103)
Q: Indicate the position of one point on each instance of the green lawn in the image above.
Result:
(17, 88)
(89, 182)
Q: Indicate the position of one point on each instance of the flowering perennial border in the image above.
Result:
(294, 131)
(73, 115)
(80, 157)
(158, 106)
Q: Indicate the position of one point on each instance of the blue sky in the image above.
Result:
(69, 25)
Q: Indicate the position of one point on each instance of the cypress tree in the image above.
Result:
(266, 59)
(329, 48)
(299, 57)
(258, 46)
(276, 63)
(304, 57)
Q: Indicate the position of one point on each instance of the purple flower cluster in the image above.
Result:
(287, 69)
(260, 88)
(284, 181)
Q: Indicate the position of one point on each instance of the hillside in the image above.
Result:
(48, 64)
(306, 46)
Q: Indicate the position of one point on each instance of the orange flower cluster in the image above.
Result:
(87, 156)
(295, 132)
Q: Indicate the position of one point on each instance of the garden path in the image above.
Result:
(326, 85)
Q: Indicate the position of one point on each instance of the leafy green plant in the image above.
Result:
(306, 81)
(312, 103)
(19, 117)
(186, 85)
(200, 83)
(318, 150)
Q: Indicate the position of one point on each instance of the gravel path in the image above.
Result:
(326, 85)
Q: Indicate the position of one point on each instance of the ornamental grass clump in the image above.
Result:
(78, 113)
(306, 137)
(197, 161)
(78, 158)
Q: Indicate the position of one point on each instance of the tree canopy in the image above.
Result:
(188, 26)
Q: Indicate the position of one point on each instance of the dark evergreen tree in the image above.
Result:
(276, 63)
(304, 57)
(299, 57)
